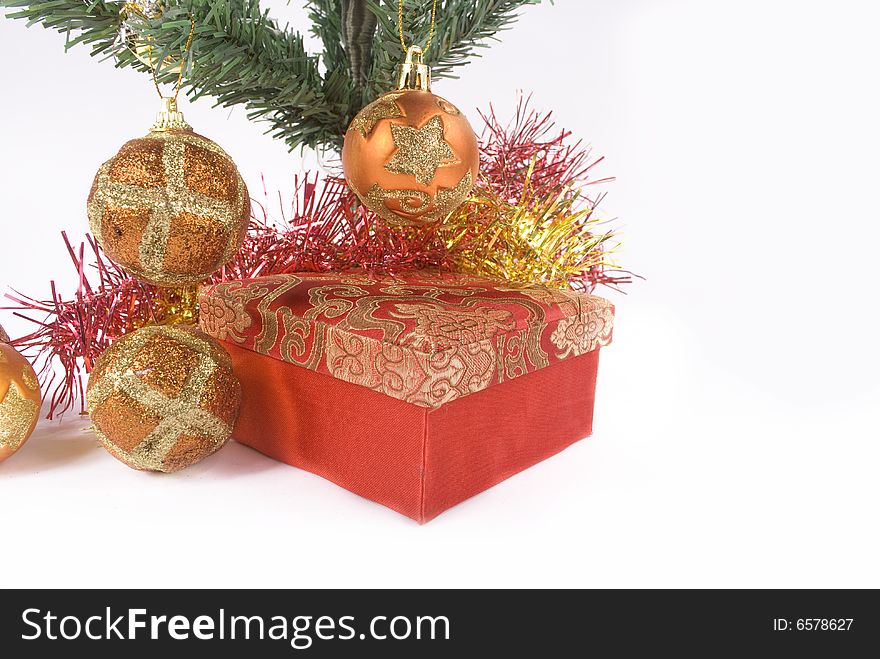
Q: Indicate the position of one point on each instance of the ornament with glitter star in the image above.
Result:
(170, 208)
(410, 156)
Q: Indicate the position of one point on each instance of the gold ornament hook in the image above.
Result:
(169, 117)
(413, 73)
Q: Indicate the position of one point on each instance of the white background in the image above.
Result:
(736, 438)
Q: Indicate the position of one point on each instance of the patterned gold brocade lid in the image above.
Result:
(4, 337)
(426, 338)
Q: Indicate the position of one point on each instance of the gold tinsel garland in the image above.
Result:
(549, 238)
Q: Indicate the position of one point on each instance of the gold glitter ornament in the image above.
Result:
(19, 398)
(411, 157)
(171, 207)
(163, 397)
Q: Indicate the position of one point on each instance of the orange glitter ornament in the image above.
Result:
(19, 399)
(170, 207)
(410, 156)
(163, 397)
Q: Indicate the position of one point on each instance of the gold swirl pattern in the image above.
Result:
(426, 338)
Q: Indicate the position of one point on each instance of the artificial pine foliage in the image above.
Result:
(240, 56)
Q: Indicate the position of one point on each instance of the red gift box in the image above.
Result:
(416, 391)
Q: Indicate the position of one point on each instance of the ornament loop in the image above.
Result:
(413, 73)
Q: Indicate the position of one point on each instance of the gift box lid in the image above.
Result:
(426, 338)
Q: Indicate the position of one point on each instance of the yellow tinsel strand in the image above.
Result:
(547, 240)
(173, 306)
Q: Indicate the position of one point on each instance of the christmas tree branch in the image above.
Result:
(240, 56)
(465, 26)
(462, 28)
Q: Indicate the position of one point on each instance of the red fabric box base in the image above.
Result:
(415, 460)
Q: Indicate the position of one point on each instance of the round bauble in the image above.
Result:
(170, 207)
(19, 399)
(164, 397)
(411, 157)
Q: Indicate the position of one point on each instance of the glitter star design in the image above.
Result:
(420, 151)
(445, 201)
(383, 107)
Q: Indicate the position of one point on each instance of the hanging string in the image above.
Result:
(400, 26)
(138, 10)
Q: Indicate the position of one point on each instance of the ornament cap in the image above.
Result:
(169, 117)
(413, 73)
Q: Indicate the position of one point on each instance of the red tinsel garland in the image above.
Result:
(326, 230)
(531, 139)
